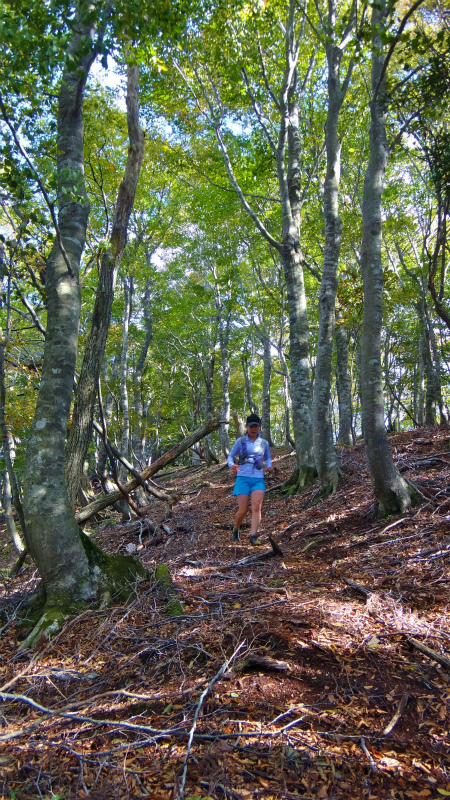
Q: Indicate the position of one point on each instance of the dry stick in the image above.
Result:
(20, 698)
(222, 670)
(369, 756)
(358, 588)
(397, 715)
(430, 653)
(290, 527)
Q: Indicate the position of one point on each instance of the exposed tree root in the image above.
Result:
(301, 478)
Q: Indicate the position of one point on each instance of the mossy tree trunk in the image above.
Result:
(69, 571)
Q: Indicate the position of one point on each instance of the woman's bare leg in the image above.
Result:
(257, 497)
(242, 509)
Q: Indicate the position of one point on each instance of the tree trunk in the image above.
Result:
(9, 515)
(344, 387)
(287, 154)
(224, 319)
(436, 367)
(253, 408)
(81, 429)
(324, 453)
(391, 491)
(11, 486)
(71, 567)
(421, 381)
(138, 435)
(265, 405)
(238, 424)
(208, 374)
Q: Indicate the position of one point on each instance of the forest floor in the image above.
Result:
(327, 694)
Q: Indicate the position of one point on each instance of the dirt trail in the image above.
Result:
(328, 696)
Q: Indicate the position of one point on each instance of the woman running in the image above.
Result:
(252, 451)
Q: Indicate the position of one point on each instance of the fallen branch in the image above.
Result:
(397, 715)
(109, 499)
(358, 588)
(244, 562)
(290, 527)
(160, 495)
(430, 653)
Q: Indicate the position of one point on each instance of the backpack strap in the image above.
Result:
(243, 455)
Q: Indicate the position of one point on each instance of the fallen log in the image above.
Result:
(430, 653)
(108, 500)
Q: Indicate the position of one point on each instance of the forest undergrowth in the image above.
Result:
(299, 675)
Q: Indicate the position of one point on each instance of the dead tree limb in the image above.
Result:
(108, 500)
(160, 495)
(430, 653)
(397, 715)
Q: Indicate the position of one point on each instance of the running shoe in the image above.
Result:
(254, 540)
(236, 535)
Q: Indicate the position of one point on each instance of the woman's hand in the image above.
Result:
(269, 469)
(234, 469)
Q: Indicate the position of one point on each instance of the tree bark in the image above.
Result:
(324, 452)
(9, 515)
(11, 486)
(391, 491)
(436, 367)
(139, 434)
(248, 384)
(344, 387)
(80, 432)
(265, 404)
(224, 320)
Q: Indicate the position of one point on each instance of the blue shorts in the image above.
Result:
(247, 485)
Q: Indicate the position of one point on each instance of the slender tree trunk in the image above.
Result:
(9, 515)
(287, 154)
(421, 381)
(138, 435)
(344, 387)
(9, 452)
(391, 491)
(210, 452)
(102, 463)
(80, 432)
(436, 368)
(265, 405)
(248, 384)
(224, 319)
(324, 452)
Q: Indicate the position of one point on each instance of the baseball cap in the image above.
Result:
(253, 419)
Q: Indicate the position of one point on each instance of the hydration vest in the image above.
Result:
(255, 458)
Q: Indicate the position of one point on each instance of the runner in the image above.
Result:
(252, 451)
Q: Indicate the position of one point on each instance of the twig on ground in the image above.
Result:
(218, 675)
(369, 755)
(397, 715)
